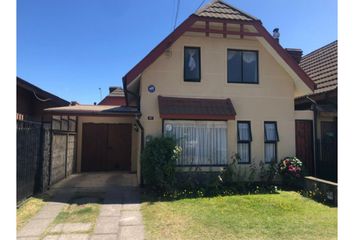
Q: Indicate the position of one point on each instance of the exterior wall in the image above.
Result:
(270, 100)
(135, 151)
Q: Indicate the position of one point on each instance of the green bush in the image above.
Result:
(158, 162)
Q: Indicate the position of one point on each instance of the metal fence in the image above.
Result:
(29, 146)
(44, 156)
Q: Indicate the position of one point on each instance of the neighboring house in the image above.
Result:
(321, 67)
(219, 83)
(115, 97)
(44, 151)
(31, 100)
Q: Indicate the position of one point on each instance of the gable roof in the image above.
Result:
(217, 10)
(220, 9)
(321, 66)
(116, 97)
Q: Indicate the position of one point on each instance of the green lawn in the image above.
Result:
(29, 208)
(286, 215)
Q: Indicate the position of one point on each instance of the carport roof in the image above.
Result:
(88, 110)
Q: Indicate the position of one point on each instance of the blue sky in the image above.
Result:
(74, 47)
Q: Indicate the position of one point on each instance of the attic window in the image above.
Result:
(242, 66)
(192, 64)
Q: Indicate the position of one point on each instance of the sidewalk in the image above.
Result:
(119, 216)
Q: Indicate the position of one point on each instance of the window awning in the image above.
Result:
(196, 108)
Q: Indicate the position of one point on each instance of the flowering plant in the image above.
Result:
(291, 168)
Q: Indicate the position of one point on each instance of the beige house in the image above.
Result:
(219, 83)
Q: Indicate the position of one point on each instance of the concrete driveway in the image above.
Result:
(119, 216)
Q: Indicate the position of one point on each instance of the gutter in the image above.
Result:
(141, 145)
(314, 107)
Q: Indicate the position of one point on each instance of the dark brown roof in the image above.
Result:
(40, 93)
(220, 9)
(196, 108)
(321, 66)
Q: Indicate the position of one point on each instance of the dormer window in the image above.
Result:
(242, 66)
(192, 64)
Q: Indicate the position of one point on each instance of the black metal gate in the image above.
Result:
(29, 147)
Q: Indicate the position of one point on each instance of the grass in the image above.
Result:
(78, 211)
(75, 213)
(286, 215)
(29, 208)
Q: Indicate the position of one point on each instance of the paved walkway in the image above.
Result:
(119, 218)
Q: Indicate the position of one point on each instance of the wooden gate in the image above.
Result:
(304, 144)
(63, 148)
(106, 147)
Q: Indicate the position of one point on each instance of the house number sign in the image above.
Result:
(151, 88)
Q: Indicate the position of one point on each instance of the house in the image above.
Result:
(220, 83)
(38, 151)
(115, 97)
(321, 66)
(31, 100)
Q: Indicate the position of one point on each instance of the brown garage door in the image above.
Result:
(106, 147)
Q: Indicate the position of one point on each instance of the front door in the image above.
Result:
(304, 144)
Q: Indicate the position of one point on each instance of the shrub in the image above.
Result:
(291, 169)
(158, 162)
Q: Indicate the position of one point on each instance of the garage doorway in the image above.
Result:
(106, 147)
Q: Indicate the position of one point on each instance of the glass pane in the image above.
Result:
(244, 132)
(243, 151)
(202, 142)
(250, 71)
(270, 132)
(192, 64)
(234, 65)
(269, 152)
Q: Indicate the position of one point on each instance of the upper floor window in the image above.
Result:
(242, 66)
(192, 64)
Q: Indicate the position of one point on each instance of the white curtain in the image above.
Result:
(243, 132)
(243, 151)
(271, 133)
(269, 152)
(243, 135)
(202, 142)
(191, 63)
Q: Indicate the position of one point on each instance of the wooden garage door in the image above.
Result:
(304, 143)
(106, 147)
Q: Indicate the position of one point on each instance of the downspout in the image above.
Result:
(315, 113)
(141, 146)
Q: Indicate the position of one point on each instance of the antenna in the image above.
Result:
(100, 90)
